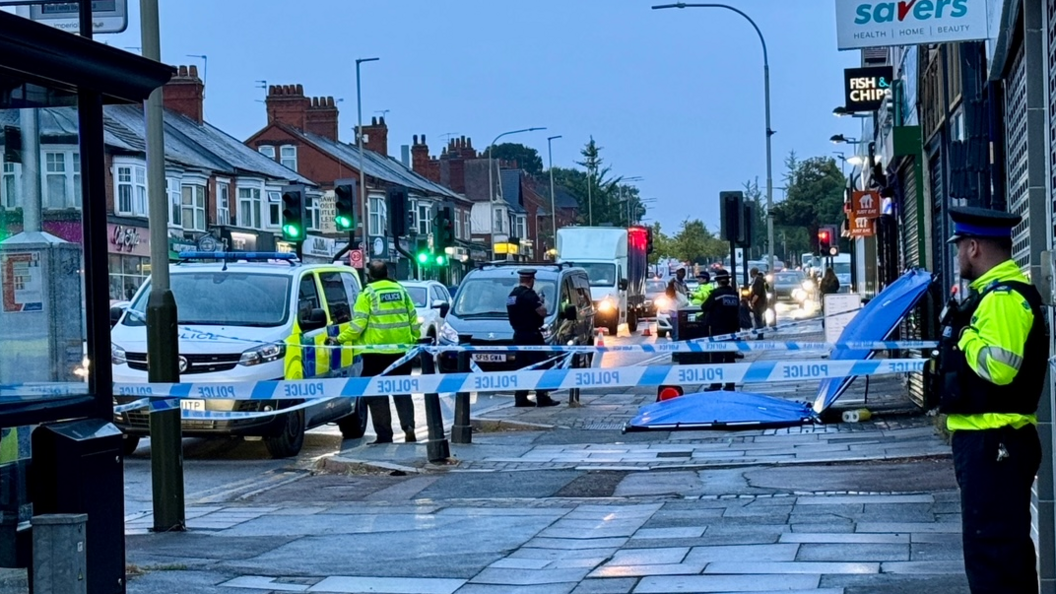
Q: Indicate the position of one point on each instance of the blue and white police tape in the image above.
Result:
(700, 346)
(500, 381)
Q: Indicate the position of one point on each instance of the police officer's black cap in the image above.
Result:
(722, 274)
(982, 223)
(526, 273)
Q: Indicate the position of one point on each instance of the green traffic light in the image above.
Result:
(423, 258)
(441, 260)
(291, 231)
(343, 222)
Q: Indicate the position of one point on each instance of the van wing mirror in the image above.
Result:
(623, 284)
(313, 319)
(570, 313)
(115, 315)
(445, 307)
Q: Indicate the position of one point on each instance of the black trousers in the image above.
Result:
(718, 358)
(530, 358)
(380, 415)
(999, 555)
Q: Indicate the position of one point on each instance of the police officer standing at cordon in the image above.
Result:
(527, 312)
(384, 314)
(722, 314)
(991, 369)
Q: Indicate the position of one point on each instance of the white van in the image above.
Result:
(266, 317)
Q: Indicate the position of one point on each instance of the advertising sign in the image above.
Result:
(864, 89)
(881, 23)
(128, 240)
(23, 282)
(327, 212)
(108, 16)
(859, 227)
(320, 247)
(865, 204)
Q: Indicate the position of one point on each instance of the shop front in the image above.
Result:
(128, 250)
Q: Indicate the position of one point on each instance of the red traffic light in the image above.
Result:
(823, 235)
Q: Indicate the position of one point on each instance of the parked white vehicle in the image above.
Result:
(432, 302)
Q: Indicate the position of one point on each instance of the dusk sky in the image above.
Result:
(674, 96)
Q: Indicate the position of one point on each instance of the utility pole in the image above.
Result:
(166, 447)
(364, 195)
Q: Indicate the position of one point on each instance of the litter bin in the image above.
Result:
(77, 469)
(689, 324)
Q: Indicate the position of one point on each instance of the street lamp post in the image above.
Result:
(491, 181)
(553, 202)
(364, 208)
(769, 131)
(628, 200)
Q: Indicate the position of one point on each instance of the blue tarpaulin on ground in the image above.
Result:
(717, 410)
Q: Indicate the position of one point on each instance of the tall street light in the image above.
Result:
(364, 208)
(769, 132)
(491, 181)
(628, 200)
(553, 202)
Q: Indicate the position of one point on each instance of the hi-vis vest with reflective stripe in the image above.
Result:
(8, 445)
(384, 314)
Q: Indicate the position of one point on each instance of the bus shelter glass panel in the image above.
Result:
(42, 303)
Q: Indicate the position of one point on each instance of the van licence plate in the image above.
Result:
(196, 405)
(489, 358)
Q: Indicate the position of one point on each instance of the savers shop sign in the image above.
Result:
(879, 23)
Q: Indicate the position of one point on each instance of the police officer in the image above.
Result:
(527, 311)
(384, 314)
(991, 363)
(705, 288)
(722, 315)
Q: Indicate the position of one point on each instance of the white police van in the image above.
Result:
(245, 317)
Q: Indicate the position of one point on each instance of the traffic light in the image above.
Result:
(747, 218)
(344, 207)
(293, 213)
(397, 201)
(441, 259)
(443, 228)
(732, 216)
(421, 251)
(824, 240)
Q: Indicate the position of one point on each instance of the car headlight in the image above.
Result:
(117, 355)
(799, 294)
(606, 304)
(663, 303)
(263, 354)
(421, 320)
(448, 334)
(808, 285)
(769, 278)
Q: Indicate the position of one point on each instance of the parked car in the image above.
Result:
(654, 289)
(432, 302)
(792, 287)
(479, 310)
(245, 321)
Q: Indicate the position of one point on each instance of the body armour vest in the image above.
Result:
(961, 391)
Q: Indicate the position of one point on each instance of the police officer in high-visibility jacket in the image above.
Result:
(700, 295)
(384, 314)
(991, 362)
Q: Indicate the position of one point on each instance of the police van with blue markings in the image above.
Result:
(245, 317)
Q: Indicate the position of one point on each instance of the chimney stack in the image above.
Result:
(421, 162)
(185, 93)
(321, 117)
(377, 136)
(286, 104)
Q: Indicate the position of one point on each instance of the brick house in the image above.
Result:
(302, 133)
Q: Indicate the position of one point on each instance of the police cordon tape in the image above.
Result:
(503, 381)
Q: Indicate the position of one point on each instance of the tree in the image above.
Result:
(815, 195)
(696, 243)
(753, 195)
(663, 246)
(527, 158)
(603, 199)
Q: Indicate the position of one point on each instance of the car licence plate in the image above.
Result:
(489, 358)
(197, 405)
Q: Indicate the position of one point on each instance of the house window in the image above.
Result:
(423, 218)
(62, 179)
(458, 225)
(249, 208)
(274, 209)
(267, 150)
(288, 154)
(132, 190)
(312, 205)
(172, 188)
(11, 186)
(378, 218)
(466, 226)
(522, 227)
(498, 225)
(193, 207)
(223, 203)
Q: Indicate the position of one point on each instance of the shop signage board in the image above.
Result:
(864, 89)
(882, 23)
(865, 204)
(108, 16)
(859, 227)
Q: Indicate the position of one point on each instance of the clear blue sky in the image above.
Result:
(674, 96)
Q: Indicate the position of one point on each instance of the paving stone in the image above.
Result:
(520, 563)
(844, 527)
(893, 583)
(605, 586)
(938, 538)
(911, 527)
(853, 552)
(575, 543)
(768, 552)
(675, 532)
(555, 554)
(565, 588)
(830, 537)
(947, 551)
(648, 556)
(862, 499)
(725, 583)
(790, 567)
(919, 567)
(529, 577)
(387, 585)
(607, 571)
(258, 582)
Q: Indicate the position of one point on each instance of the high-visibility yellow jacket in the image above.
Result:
(384, 314)
(702, 292)
(994, 344)
(8, 445)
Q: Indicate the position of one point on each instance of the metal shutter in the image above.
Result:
(1017, 158)
(911, 327)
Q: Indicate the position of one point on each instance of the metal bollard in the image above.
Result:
(59, 561)
(437, 449)
(461, 431)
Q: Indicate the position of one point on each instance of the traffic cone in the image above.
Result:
(648, 329)
(599, 340)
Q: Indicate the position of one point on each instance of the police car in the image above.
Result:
(479, 311)
(246, 317)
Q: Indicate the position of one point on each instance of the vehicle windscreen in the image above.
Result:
(842, 267)
(788, 279)
(601, 274)
(419, 295)
(486, 297)
(219, 298)
(655, 286)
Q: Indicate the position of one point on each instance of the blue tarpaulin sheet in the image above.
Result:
(723, 410)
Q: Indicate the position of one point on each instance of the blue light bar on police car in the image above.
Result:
(249, 256)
